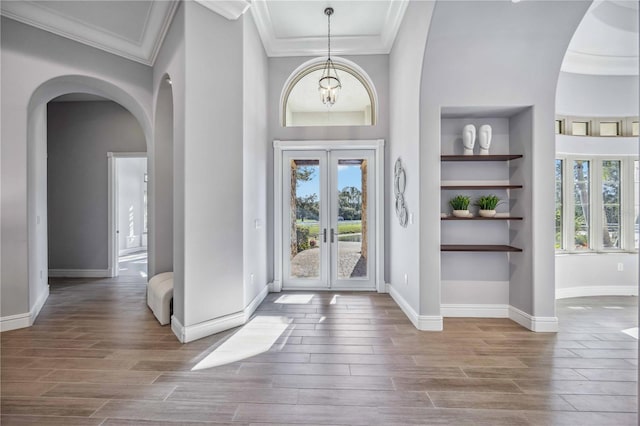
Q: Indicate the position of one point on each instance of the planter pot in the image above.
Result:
(461, 213)
(487, 213)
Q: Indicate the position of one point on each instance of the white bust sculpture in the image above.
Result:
(484, 139)
(468, 138)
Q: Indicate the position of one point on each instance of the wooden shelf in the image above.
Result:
(470, 186)
(497, 157)
(481, 218)
(478, 248)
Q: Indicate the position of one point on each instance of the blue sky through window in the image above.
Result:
(347, 176)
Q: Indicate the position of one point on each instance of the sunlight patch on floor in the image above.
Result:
(633, 332)
(255, 337)
(295, 299)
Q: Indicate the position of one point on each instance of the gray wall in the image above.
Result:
(255, 152)
(37, 66)
(79, 136)
(469, 61)
(597, 95)
(405, 70)
(377, 67)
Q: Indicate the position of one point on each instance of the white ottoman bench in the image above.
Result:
(160, 296)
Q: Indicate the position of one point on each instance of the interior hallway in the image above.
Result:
(96, 355)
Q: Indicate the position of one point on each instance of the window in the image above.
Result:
(355, 105)
(580, 128)
(609, 128)
(611, 204)
(601, 210)
(581, 204)
(635, 129)
(559, 128)
(559, 233)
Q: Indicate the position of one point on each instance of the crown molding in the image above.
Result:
(230, 9)
(315, 46)
(584, 63)
(143, 50)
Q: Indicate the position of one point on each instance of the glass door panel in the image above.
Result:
(352, 219)
(328, 220)
(304, 219)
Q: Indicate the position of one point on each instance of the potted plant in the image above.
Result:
(460, 205)
(487, 204)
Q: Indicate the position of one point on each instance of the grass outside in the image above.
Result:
(343, 228)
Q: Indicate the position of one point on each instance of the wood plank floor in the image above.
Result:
(96, 356)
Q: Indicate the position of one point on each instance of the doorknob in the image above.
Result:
(324, 235)
(332, 234)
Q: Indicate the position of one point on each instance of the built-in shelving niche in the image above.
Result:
(483, 260)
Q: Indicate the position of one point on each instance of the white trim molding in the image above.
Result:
(217, 325)
(584, 63)
(80, 273)
(230, 9)
(537, 324)
(380, 43)
(474, 310)
(143, 50)
(598, 290)
(421, 322)
(14, 322)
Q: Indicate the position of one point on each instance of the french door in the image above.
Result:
(328, 220)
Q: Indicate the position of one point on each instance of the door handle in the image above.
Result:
(332, 234)
(324, 235)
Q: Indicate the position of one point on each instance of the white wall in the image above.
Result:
(168, 163)
(329, 118)
(470, 61)
(213, 167)
(131, 192)
(36, 67)
(377, 67)
(79, 136)
(255, 139)
(405, 70)
(597, 95)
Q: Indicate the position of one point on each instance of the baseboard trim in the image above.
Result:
(14, 322)
(600, 290)
(537, 324)
(475, 310)
(275, 287)
(253, 305)
(217, 325)
(421, 322)
(80, 273)
(37, 307)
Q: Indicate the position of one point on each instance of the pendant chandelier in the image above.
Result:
(329, 83)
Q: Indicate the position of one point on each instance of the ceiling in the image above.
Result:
(131, 29)
(606, 41)
(299, 28)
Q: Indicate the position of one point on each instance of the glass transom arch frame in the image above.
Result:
(345, 68)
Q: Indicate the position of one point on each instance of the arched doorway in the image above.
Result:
(162, 186)
(37, 216)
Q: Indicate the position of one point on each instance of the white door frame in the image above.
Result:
(112, 206)
(279, 146)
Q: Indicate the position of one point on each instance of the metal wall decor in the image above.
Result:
(399, 184)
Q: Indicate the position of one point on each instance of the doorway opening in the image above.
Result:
(129, 209)
(328, 217)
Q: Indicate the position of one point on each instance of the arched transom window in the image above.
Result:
(302, 105)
